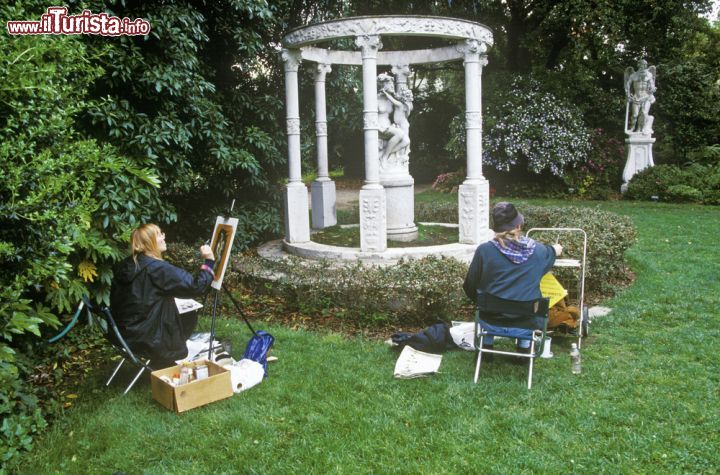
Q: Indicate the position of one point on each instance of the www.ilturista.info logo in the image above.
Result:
(57, 22)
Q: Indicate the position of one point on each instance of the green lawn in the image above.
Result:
(646, 401)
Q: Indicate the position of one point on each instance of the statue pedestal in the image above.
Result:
(373, 234)
(474, 211)
(323, 204)
(295, 201)
(400, 198)
(639, 156)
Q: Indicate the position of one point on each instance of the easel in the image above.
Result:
(216, 298)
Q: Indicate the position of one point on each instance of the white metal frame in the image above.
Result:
(575, 263)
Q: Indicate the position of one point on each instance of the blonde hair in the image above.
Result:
(512, 235)
(143, 240)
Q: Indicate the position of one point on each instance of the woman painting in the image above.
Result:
(142, 297)
(510, 266)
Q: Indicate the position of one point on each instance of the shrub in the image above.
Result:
(609, 236)
(653, 181)
(414, 292)
(421, 291)
(449, 182)
(66, 203)
(684, 194)
(695, 183)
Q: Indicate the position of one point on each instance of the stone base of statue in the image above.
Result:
(400, 198)
(373, 233)
(474, 211)
(295, 201)
(639, 156)
(323, 203)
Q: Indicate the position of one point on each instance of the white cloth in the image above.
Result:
(462, 335)
(245, 374)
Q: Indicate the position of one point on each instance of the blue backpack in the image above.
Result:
(258, 347)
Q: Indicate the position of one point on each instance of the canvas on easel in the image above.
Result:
(221, 245)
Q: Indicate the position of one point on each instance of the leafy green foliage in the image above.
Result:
(65, 200)
(412, 292)
(695, 183)
(609, 236)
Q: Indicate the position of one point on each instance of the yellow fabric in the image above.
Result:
(552, 289)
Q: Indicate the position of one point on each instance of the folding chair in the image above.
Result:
(513, 319)
(112, 333)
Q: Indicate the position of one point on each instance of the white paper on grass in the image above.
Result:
(463, 335)
(415, 364)
(186, 305)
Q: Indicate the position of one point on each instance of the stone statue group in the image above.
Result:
(394, 107)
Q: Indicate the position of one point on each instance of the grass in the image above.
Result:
(428, 235)
(646, 401)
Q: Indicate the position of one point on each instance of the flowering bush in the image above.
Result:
(601, 173)
(449, 182)
(530, 129)
(535, 128)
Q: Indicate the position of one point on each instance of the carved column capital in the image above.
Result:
(471, 49)
(291, 59)
(321, 70)
(369, 45)
(483, 61)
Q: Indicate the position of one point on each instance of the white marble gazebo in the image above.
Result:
(386, 198)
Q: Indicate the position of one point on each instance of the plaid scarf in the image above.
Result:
(517, 251)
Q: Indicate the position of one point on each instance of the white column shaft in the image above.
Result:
(369, 46)
(292, 115)
(472, 116)
(321, 121)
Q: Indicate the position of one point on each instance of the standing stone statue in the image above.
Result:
(640, 89)
(640, 92)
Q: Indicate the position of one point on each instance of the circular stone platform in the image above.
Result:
(280, 249)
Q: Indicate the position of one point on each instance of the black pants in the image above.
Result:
(187, 323)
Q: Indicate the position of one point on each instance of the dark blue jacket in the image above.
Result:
(143, 304)
(494, 273)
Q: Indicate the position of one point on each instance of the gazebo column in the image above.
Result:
(295, 196)
(323, 188)
(474, 193)
(373, 233)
